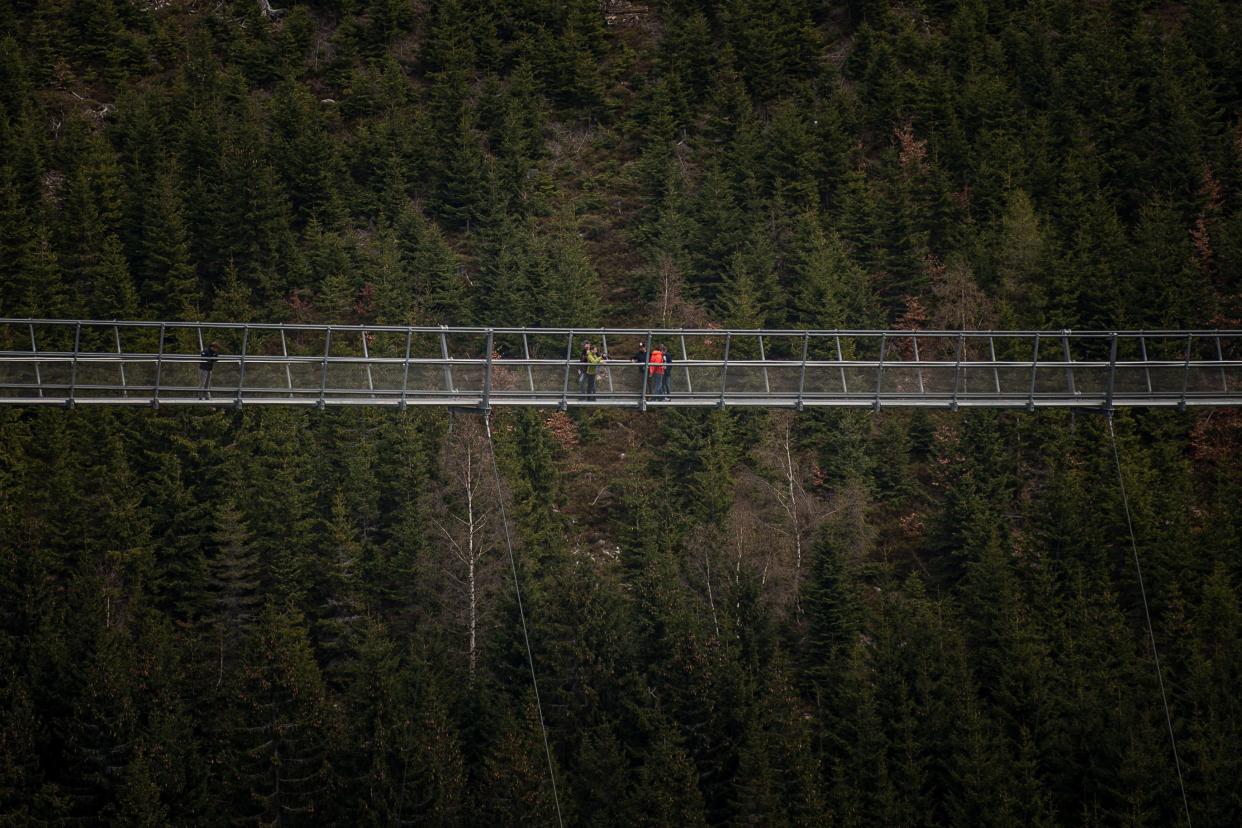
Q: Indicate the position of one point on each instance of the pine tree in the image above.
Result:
(369, 773)
(509, 270)
(830, 602)
(393, 288)
(16, 233)
(829, 289)
(515, 774)
(434, 783)
(255, 219)
(570, 288)
(233, 300)
(39, 288)
(403, 483)
(111, 293)
(305, 156)
(168, 278)
(235, 585)
(281, 511)
(666, 790)
(434, 270)
(1165, 289)
(743, 303)
(718, 223)
(779, 777)
(138, 800)
(462, 189)
(857, 220)
(282, 726)
(340, 594)
(1023, 256)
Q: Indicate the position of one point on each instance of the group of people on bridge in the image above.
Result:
(658, 365)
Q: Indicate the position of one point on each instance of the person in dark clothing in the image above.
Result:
(209, 354)
(640, 356)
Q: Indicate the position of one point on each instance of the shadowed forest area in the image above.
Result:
(833, 618)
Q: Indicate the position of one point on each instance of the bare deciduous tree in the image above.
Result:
(466, 519)
(793, 512)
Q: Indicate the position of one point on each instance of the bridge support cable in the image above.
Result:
(517, 590)
(1138, 569)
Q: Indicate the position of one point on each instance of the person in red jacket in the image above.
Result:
(655, 373)
(667, 370)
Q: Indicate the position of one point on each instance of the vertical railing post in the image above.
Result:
(198, 331)
(957, 368)
(1030, 400)
(1143, 355)
(530, 374)
(485, 405)
(767, 386)
(724, 369)
(448, 368)
(116, 332)
(1112, 373)
(569, 355)
(685, 358)
(1186, 374)
(604, 342)
(323, 377)
(284, 352)
(34, 349)
(918, 370)
(845, 389)
(73, 370)
(879, 372)
(995, 368)
(366, 355)
(1069, 362)
(806, 344)
(642, 395)
(241, 369)
(159, 368)
(1220, 357)
(405, 368)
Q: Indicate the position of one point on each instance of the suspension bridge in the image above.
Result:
(67, 362)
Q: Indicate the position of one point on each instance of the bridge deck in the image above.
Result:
(67, 362)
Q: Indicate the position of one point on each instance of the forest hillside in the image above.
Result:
(833, 618)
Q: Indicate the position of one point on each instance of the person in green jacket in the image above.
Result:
(593, 359)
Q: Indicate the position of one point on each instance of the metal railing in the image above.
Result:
(68, 362)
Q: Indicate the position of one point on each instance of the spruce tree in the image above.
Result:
(168, 278)
(282, 725)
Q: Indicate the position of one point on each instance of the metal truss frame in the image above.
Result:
(70, 362)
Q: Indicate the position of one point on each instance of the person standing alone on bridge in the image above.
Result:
(583, 363)
(209, 354)
(586, 385)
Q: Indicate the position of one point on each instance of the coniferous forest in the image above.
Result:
(833, 618)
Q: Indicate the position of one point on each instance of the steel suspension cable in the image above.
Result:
(517, 589)
(1138, 569)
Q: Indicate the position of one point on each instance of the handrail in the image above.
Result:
(482, 330)
(424, 365)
